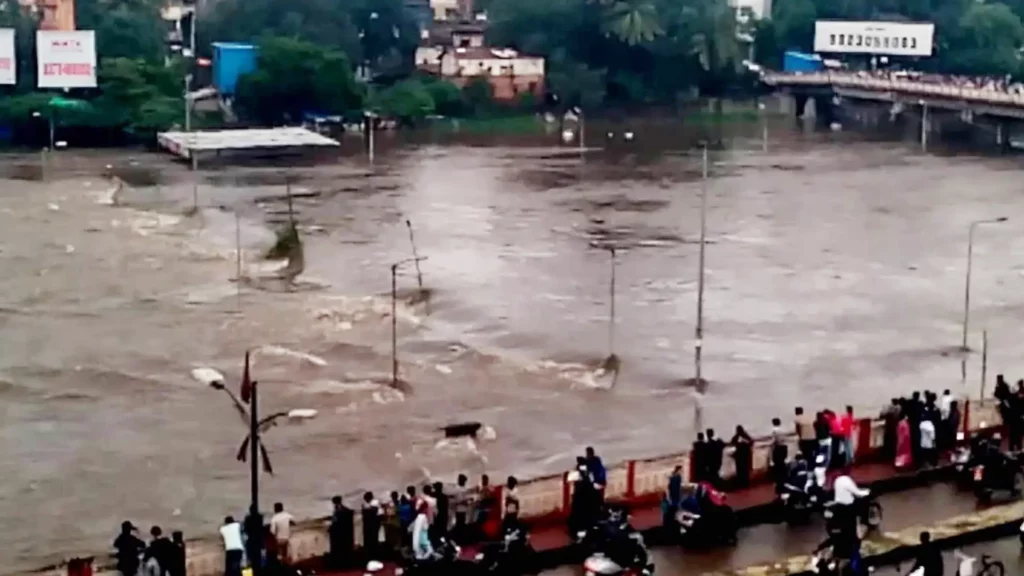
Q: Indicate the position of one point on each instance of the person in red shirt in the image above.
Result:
(847, 424)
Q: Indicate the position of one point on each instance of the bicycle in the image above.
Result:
(966, 565)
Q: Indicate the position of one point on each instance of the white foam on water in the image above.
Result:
(282, 352)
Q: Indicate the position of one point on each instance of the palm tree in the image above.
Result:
(631, 21)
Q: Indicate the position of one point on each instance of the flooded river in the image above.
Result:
(835, 275)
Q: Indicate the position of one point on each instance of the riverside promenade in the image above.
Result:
(544, 502)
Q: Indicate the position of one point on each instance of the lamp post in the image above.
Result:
(699, 331)
(967, 279)
(394, 315)
(611, 301)
(583, 129)
(253, 442)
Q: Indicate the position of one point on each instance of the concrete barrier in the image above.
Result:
(546, 500)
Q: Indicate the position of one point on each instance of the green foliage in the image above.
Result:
(293, 77)
(409, 101)
(144, 97)
(479, 96)
(447, 97)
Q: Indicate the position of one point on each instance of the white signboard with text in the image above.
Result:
(8, 62)
(66, 59)
(882, 38)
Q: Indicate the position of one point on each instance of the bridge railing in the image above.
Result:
(547, 500)
(904, 86)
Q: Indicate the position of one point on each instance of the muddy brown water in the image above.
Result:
(835, 275)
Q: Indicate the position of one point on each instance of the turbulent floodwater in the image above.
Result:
(835, 276)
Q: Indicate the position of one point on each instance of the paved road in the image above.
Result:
(765, 543)
(1008, 551)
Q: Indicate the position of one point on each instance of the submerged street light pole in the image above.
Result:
(699, 341)
(252, 442)
(967, 280)
(611, 312)
(394, 315)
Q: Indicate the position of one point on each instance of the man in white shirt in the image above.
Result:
(231, 534)
(846, 494)
(945, 403)
(281, 527)
(928, 450)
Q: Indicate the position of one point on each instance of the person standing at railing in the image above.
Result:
(780, 452)
(743, 456)
(673, 496)
(715, 455)
(890, 418)
(598, 473)
(341, 533)
(699, 459)
(847, 426)
(806, 439)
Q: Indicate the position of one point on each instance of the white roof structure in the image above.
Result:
(185, 143)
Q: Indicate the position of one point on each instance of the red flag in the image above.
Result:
(246, 383)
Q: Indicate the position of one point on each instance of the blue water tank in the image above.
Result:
(230, 61)
(794, 61)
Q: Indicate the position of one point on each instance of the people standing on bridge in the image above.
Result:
(179, 561)
(847, 427)
(584, 505)
(891, 418)
(439, 527)
(806, 439)
(914, 409)
(673, 496)
(598, 473)
(393, 533)
(823, 435)
(371, 517)
(159, 555)
(904, 444)
(341, 534)
(422, 547)
(462, 499)
(489, 508)
(929, 449)
(231, 535)
(699, 459)
(715, 455)
(743, 456)
(511, 514)
(127, 548)
(780, 452)
(950, 426)
(407, 514)
(281, 527)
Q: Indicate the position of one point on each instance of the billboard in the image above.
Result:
(882, 38)
(66, 59)
(8, 63)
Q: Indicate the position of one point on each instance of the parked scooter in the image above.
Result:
(599, 565)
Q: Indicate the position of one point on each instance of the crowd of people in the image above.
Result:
(988, 83)
(411, 524)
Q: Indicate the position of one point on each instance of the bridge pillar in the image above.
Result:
(925, 126)
(823, 110)
(801, 104)
(1003, 135)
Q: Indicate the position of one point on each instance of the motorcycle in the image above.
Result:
(630, 564)
(1009, 479)
(694, 529)
(446, 561)
(512, 555)
(798, 503)
(963, 466)
(868, 510)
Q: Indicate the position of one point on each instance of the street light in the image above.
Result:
(967, 280)
(254, 445)
(699, 331)
(394, 315)
(611, 299)
(578, 111)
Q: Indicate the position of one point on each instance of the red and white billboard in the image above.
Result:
(8, 63)
(66, 59)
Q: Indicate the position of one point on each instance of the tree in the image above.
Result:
(408, 101)
(447, 97)
(124, 28)
(988, 41)
(293, 77)
(633, 22)
(143, 97)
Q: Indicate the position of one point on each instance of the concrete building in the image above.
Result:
(749, 11)
(509, 73)
(179, 15)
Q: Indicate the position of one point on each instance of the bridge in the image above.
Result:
(970, 104)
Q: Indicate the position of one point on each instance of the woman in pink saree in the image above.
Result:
(904, 452)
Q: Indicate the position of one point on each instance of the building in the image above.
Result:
(510, 74)
(749, 11)
(54, 14)
(445, 10)
(179, 16)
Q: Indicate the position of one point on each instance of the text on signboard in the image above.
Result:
(58, 69)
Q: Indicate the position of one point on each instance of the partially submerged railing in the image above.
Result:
(905, 86)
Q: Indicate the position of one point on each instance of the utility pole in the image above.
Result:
(255, 519)
(699, 343)
(967, 280)
(611, 300)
